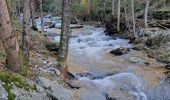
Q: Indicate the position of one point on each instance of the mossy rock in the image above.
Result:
(156, 41)
(163, 55)
(10, 79)
(52, 46)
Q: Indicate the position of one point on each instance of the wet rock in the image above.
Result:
(139, 47)
(52, 25)
(120, 51)
(120, 95)
(51, 34)
(48, 16)
(49, 24)
(167, 66)
(88, 94)
(139, 60)
(52, 46)
(74, 20)
(72, 26)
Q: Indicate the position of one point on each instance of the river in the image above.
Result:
(90, 61)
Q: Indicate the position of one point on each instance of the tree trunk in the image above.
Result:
(118, 17)
(113, 7)
(26, 29)
(32, 12)
(9, 40)
(127, 22)
(133, 17)
(42, 15)
(65, 30)
(146, 13)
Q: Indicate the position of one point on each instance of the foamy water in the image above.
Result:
(126, 82)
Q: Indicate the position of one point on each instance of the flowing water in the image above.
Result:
(90, 61)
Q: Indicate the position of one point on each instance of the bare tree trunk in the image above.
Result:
(9, 40)
(133, 17)
(127, 22)
(65, 30)
(118, 17)
(42, 15)
(32, 12)
(146, 13)
(113, 7)
(26, 29)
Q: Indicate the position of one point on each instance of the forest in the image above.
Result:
(84, 49)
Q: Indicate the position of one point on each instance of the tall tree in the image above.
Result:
(146, 13)
(42, 15)
(9, 40)
(64, 39)
(32, 11)
(118, 17)
(26, 29)
(133, 16)
(113, 7)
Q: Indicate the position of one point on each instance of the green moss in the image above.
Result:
(11, 79)
(2, 54)
(52, 46)
(25, 62)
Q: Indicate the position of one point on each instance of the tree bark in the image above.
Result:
(26, 29)
(9, 40)
(113, 7)
(146, 13)
(133, 17)
(32, 11)
(65, 30)
(118, 17)
(42, 15)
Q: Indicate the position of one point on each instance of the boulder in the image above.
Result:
(120, 95)
(49, 24)
(139, 60)
(55, 90)
(163, 54)
(88, 94)
(52, 46)
(120, 51)
(156, 41)
(16, 87)
(167, 66)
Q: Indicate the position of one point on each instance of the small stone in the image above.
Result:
(120, 51)
(167, 66)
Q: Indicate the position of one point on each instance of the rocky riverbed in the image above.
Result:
(102, 67)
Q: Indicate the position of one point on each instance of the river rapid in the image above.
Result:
(91, 63)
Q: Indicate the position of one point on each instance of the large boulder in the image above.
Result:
(55, 90)
(16, 87)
